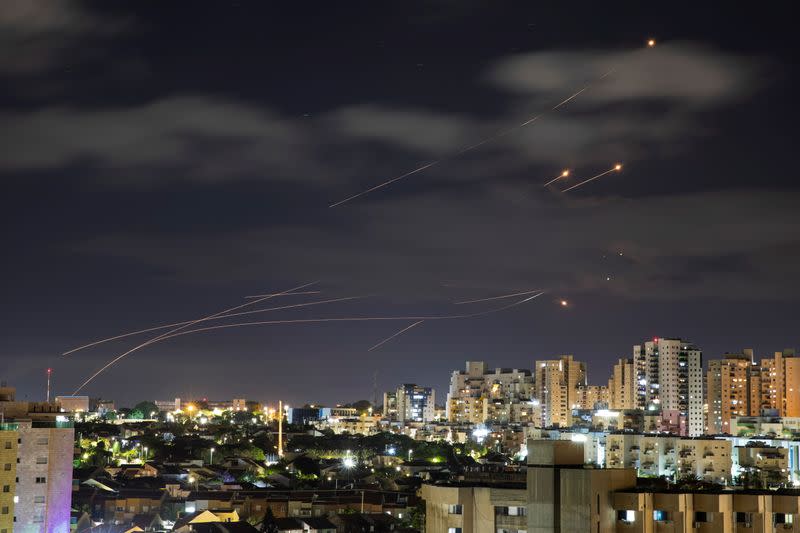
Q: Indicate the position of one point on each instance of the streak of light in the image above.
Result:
(177, 332)
(358, 318)
(385, 183)
(615, 168)
(165, 326)
(471, 147)
(563, 174)
(178, 329)
(496, 297)
(396, 334)
(290, 294)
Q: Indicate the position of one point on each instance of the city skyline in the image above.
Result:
(162, 171)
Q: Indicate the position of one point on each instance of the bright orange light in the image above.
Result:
(617, 167)
(190, 407)
(565, 173)
(651, 43)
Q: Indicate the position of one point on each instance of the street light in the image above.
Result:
(212, 455)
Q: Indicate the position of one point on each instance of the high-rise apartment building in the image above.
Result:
(557, 389)
(478, 395)
(415, 403)
(779, 382)
(728, 391)
(737, 386)
(35, 467)
(669, 375)
(622, 385)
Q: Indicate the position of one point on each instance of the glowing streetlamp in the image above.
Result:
(212, 450)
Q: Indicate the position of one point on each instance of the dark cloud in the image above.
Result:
(36, 35)
(685, 73)
(213, 139)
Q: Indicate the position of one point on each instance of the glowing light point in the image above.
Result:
(564, 303)
(651, 43)
(618, 167)
(565, 173)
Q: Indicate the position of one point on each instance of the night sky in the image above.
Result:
(162, 160)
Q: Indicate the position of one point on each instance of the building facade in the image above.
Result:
(557, 389)
(415, 403)
(622, 385)
(36, 449)
(669, 376)
(478, 395)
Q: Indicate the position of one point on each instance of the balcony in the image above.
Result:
(511, 522)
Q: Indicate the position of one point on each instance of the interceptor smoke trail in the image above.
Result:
(165, 326)
(476, 145)
(385, 183)
(563, 174)
(356, 319)
(496, 297)
(615, 168)
(173, 331)
(177, 333)
(396, 334)
(290, 294)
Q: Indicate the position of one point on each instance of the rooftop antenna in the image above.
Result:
(49, 372)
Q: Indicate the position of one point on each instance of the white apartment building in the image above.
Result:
(670, 379)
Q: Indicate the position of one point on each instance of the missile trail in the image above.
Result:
(385, 183)
(496, 297)
(396, 334)
(165, 326)
(356, 319)
(179, 328)
(471, 147)
(615, 168)
(290, 294)
(180, 331)
(563, 174)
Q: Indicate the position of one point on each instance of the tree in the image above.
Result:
(362, 406)
(268, 525)
(306, 466)
(146, 407)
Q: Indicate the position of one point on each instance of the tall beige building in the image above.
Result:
(780, 383)
(728, 391)
(557, 384)
(737, 386)
(35, 467)
(622, 385)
